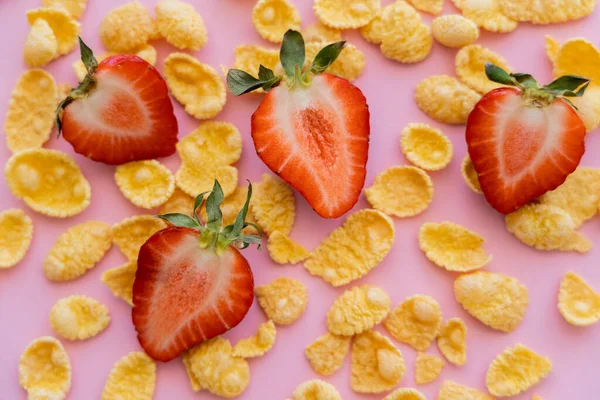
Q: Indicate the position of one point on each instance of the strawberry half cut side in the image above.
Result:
(312, 128)
(120, 112)
(524, 140)
(192, 283)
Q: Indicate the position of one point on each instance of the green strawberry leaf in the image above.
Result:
(182, 220)
(292, 52)
(87, 57)
(240, 82)
(214, 216)
(525, 80)
(568, 85)
(326, 56)
(498, 75)
(265, 74)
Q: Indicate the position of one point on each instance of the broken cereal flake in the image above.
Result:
(17, 231)
(259, 344)
(131, 233)
(408, 48)
(284, 250)
(126, 27)
(546, 11)
(516, 370)
(346, 14)
(77, 251)
(349, 65)
(199, 178)
(416, 321)
(30, 116)
(132, 377)
(377, 365)
(357, 310)
(429, 6)
(319, 32)
(467, 170)
(45, 369)
(41, 45)
(453, 391)
(273, 205)
(283, 300)
(445, 99)
(273, 18)
(470, 67)
(578, 303)
(552, 48)
(453, 247)
(486, 14)
(120, 280)
(180, 24)
(74, 7)
(147, 184)
(79, 317)
(316, 389)
(326, 354)
(454, 31)
(336, 260)
(405, 394)
(427, 368)
(497, 300)
(64, 27)
(452, 341)
(426, 147)
(179, 202)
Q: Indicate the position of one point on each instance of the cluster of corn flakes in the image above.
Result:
(357, 310)
(147, 184)
(180, 24)
(132, 377)
(17, 232)
(283, 300)
(578, 303)
(79, 317)
(426, 147)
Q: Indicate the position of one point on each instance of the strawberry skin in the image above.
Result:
(184, 294)
(316, 138)
(521, 152)
(126, 116)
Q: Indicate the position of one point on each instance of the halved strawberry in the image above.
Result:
(313, 130)
(525, 140)
(192, 283)
(120, 112)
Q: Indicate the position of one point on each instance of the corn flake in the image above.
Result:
(273, 205)
(319, 32)
(349, 65)
(588, 107)
(132, 377)
(578, 303)
(453, 391)
(180, 202)
(357, 310)
(497, 300)
(31, 111)
(17, 231)
(41, 45)
(131, 233)
(126, 27)
(147, 184)
(408, 48)
(316, 389)
(199, 178)
(283, 300)
(427, 368)
(516, 370)
(65, 28)
(336, 260)
(373, 31)
(416, 321)
(486, 14)
(249, 57)
(377, 365)
(74, 7)
(452, 341)
(79, 317)
(469, 174)
(346, 14)
(120, 280)
(284, 250)
(258, 344)
(326, 354)
(405, 394)
(546, 11)
(180, 24)
(426, 147)
(45, 369)
(470, 67)
(578, 56)
(429, 6)
(445, 99)
(552, 48)
(454, 31)
(273, 18)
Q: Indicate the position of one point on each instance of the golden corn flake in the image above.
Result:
(452, 341)
(179, 202)
(416, 321)
(578, 303)
(326, 354)
(453, 391)
(180, 24)
(377, 365)
(132, 377)
(516, 370)
(454, 31)
(283, 300)
(349, 65)
(65, 28)
(147, 184)
(426, 147)
(17, 231)
(120, 280)
(408, 48)
(41, 45)
(198, 178)
(453, 247)
(214, 142)
(373, 31)
(497, 300)
(284, 250)
(486, 14)
(131, 233)
(578, 56)
(79, 317)
(552, 48)
(316, 389)
(470, 67)
(429, 6)
(357, 310)
(405, 394)
(258, 344)
(427, 368)
(249, 57)
(77, 251)
(469, 174)
(126, 27)
(273, 18)
(74, 7)
(445, 99)
(273, 205)
(31, 111)
(346, 14)
(319, 32)
(45, 369)
(336, 260)
(546, 11)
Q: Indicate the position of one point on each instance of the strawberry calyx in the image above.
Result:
(292, 56)
(212, 234)
(535, 95)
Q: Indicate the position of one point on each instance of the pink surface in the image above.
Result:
(26, 296)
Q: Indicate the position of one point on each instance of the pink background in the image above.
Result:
(26, 295)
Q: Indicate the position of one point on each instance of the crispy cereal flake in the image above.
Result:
(74, 7)
(17, 231)
(429, 6)
(428, 367)
(283, 300)
(79, 317)
(578, 56)
(497, 300)
(405, 394)
(408, 48)
(546, 11)
(126, 27)
(249, 57)
(349, 65)
(516, 370)
(377, 365)
(64, 27)
(358, 310)
(453, 247)
(452, 341)
(147, 184)
(132, 377)
(453, 391)
(31, 111)
(273, 205)
(445, 99)
(346, 14)
(373, 31)
(552, 48)
(486, 14)
(578, 303)
(120, 280)
(284, 250)
(258, 344)
(198, 178)
(326, 354)
(131, 233)
(467, 170)
(77, 251)
(316, 389)
(336, 259)
(272, 18)
(454, 31)
(416, 321)
(45, 369)
(426, 147)
(179, 202)
(41, 45)
(470, 67)
(319, 32)
(180, 24)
